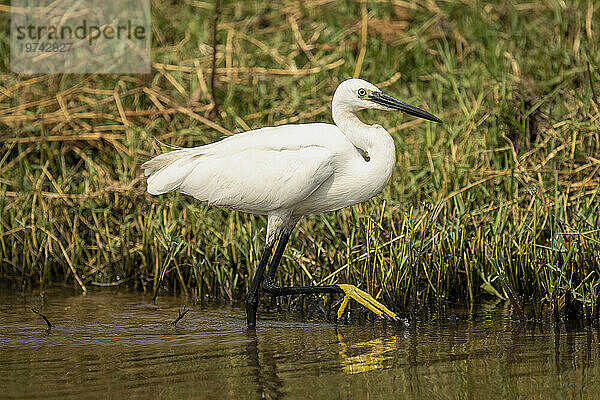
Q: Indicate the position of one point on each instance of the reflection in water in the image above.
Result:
(268, 384)
(120, 345)
(557, 348)
(413, 373)
(371, 354)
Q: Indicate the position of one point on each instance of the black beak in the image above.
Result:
(395, 104)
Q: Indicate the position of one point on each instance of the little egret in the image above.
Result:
(289, 171)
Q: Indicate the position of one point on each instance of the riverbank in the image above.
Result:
(502, 198)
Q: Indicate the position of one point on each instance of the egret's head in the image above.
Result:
(358, 94)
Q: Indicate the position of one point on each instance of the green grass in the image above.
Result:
(506, 190)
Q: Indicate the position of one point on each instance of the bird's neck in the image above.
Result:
(354, 129)
(372, 139)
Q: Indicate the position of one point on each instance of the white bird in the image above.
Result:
(289, 171)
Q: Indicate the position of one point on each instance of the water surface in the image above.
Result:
(117, 344)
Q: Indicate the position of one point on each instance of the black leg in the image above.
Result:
(270, 278)
(269, 286)
(293, 290)
(252, 296)
(274, 290)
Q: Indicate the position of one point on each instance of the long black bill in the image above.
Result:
(395, 104)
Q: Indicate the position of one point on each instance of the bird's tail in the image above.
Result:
(167, 171)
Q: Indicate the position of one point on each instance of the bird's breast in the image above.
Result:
(354, 181)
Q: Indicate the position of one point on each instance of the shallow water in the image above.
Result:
(116, 344)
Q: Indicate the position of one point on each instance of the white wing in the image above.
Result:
(258, 171)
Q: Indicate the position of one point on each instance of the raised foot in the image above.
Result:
(366, 300)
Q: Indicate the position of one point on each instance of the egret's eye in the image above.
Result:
(361, 92)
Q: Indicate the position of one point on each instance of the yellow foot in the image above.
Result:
(366, 300)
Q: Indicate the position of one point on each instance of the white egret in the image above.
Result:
(289, 171)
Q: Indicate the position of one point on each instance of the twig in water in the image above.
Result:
(181, 315)
(514, 301)
(44, 317)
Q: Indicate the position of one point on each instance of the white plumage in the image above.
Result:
(289, 171)
(268, 170)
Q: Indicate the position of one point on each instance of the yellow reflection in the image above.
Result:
(372, 354)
